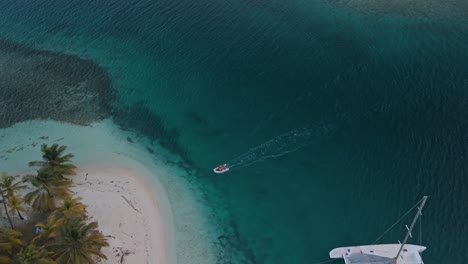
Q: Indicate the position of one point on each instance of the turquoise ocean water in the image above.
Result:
(210, 80)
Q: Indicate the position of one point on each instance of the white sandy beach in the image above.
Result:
(162, 218)
(127, 211)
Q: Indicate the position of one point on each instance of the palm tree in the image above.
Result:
(51, 174)
(64, 169)
(50, 230)
(9, 242)
(7, 185)
(16, 204)
(53, 154)
(4, 202)
(79, 242)
(54, 157)
(34, 255)
(47, 188)
(71, 208)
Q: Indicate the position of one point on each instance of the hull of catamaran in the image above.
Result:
(379, 254)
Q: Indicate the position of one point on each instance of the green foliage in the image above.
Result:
(50, 230)
(16, 205)
(33, 255)
(71, 208)
(8, 185)
(79, 243)
(65, 234)
(9, 242)
(51, 174)
(54, 157)
(48, 186)
(53, 154)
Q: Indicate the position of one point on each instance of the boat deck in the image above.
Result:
(379, 254)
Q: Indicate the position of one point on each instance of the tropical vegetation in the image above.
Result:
(34, 255)
(8, 186)
(63, 235)
(79, 241)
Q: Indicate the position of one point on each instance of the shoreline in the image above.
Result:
(190, 230)
(128, 212)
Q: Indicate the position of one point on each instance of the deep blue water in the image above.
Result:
(224, 77)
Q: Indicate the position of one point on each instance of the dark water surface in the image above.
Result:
(212, 79)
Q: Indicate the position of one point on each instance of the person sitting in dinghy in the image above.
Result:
(221, 168)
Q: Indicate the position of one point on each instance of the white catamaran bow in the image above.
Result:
(401, 253)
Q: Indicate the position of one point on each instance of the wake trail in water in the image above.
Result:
(281, 145)
(298, 138)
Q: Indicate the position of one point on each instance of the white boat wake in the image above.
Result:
(279, 146)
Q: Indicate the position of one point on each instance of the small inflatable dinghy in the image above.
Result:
(221, 169)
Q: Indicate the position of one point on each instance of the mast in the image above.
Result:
(418, 214)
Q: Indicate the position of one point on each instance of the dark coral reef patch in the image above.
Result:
(139, 118)
(36, 84)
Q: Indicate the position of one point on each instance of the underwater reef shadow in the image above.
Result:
(142, 120)
(38, 84)
(233, 248)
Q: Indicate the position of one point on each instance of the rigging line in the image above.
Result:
(420, 231)
(386, 231)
